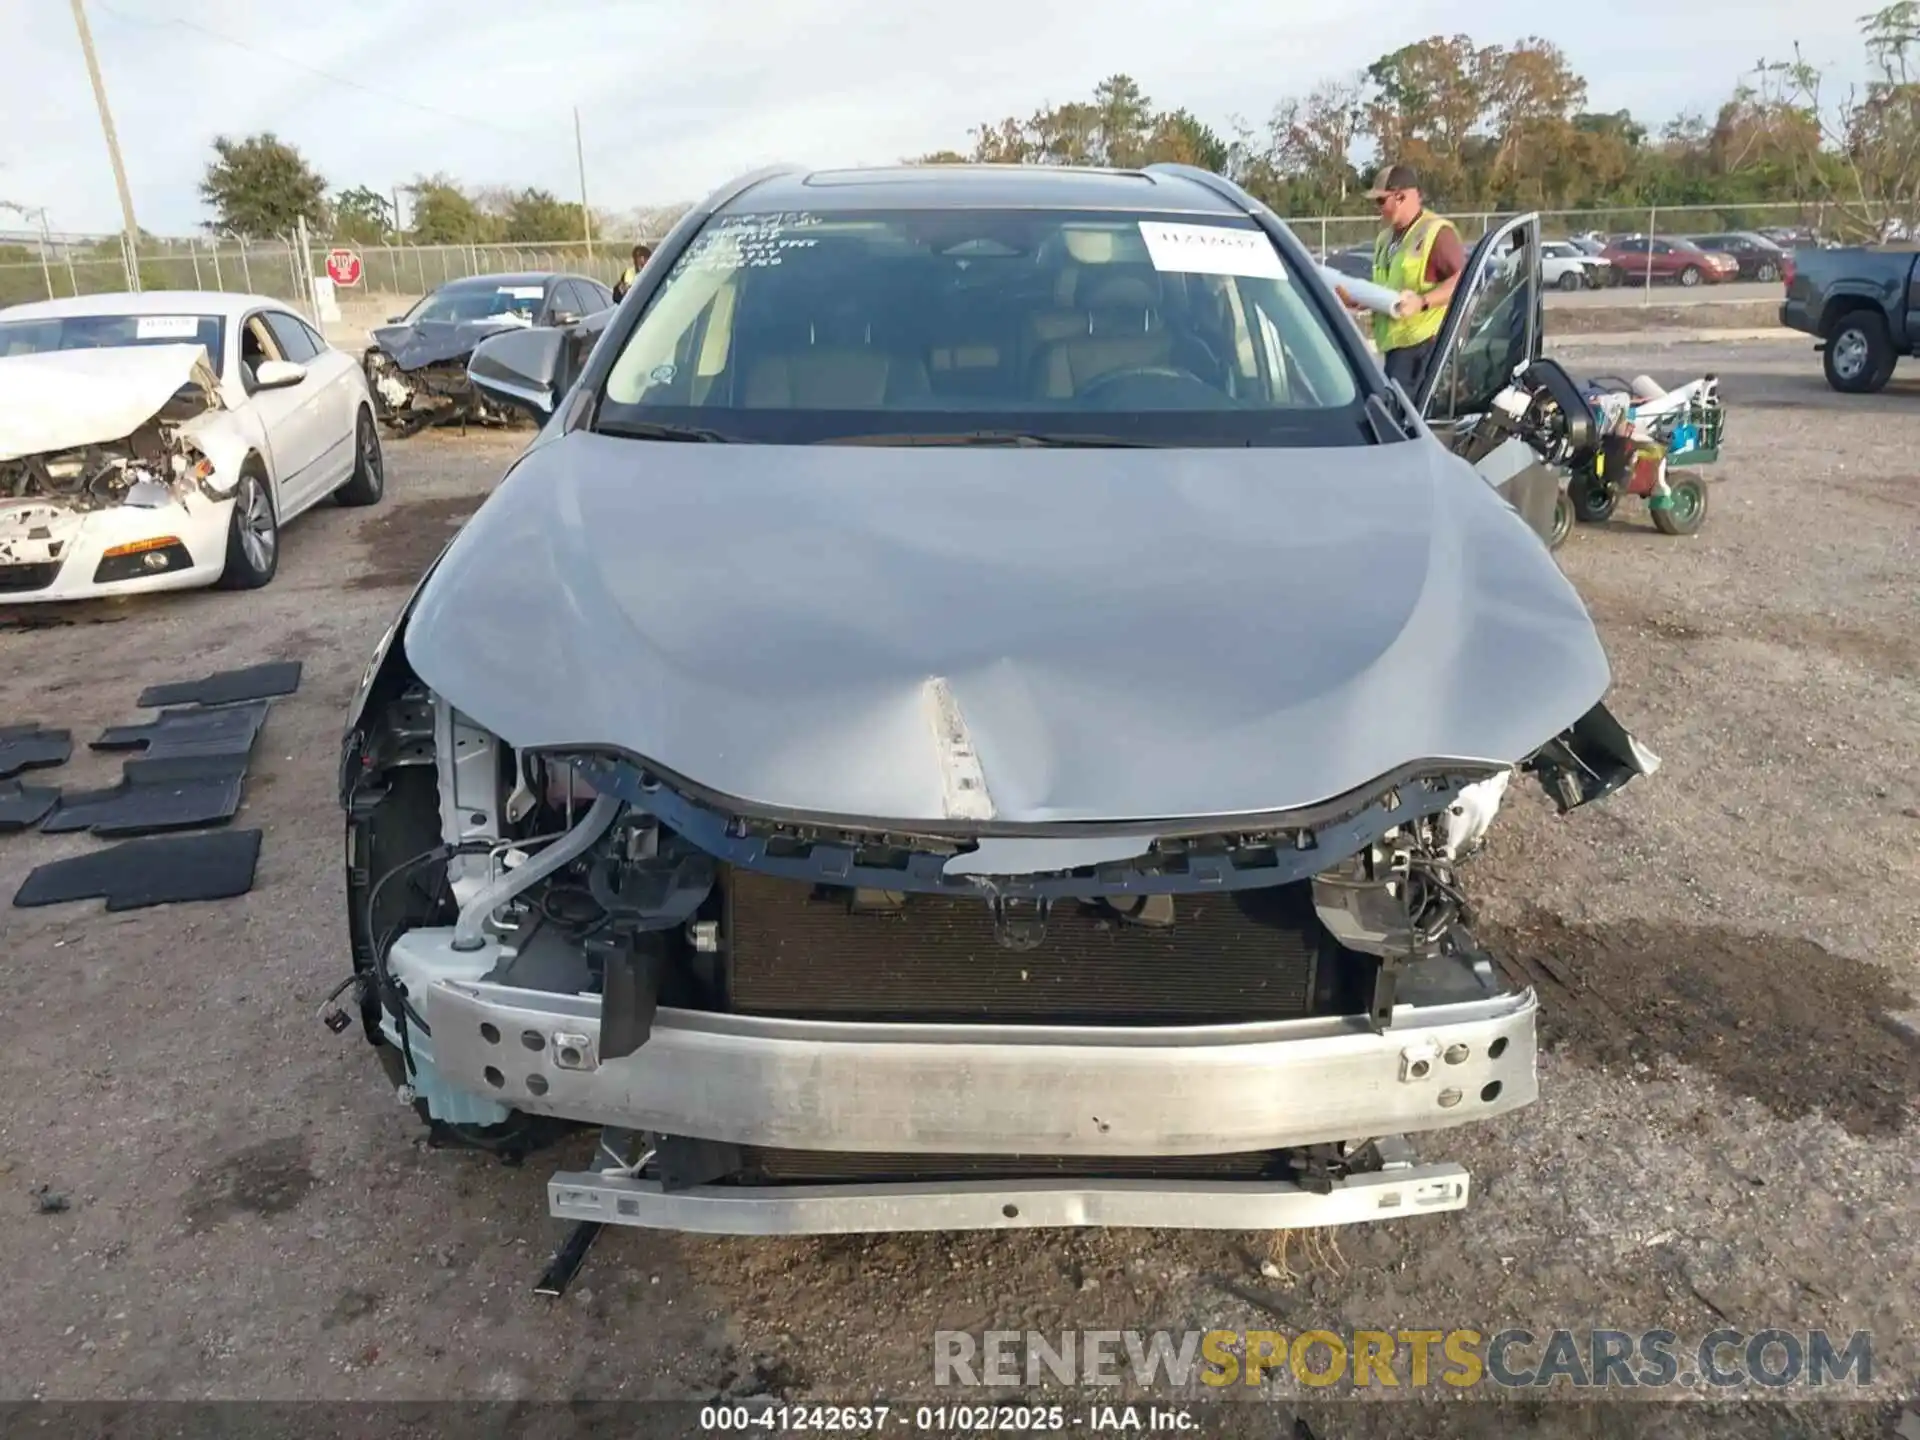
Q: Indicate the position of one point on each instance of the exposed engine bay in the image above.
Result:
(585, 888)
(435, 393)
(184, 458)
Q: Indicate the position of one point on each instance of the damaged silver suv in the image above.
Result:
(968, 715)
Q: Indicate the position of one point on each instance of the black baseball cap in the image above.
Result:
(1393, 177)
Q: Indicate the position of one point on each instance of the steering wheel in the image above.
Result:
(1101, 383)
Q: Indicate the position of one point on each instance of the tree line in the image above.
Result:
(1507, 128)
(1497, 127)
(260, 185)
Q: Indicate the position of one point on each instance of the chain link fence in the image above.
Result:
(39, 266)
(46, 267)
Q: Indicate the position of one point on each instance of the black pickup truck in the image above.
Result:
(1863, 305)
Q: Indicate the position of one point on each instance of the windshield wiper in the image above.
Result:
(656, 430)
(999, 437)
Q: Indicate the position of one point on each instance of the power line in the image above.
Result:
(327, 75)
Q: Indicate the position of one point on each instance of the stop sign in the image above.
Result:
(343, 267)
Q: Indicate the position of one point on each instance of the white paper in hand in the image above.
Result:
(1364, 293)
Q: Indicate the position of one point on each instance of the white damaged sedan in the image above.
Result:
(160, 441)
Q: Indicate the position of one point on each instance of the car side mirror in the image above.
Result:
(520, 368)
(565, 317)
(278, 374)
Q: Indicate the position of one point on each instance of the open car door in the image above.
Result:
(1493, 326)
(1491, 337)
(1490, 341)
(533, 370)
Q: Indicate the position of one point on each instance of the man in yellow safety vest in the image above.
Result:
(641, 254)
(1419, 254)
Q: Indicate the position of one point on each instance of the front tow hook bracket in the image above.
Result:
(1019, 924)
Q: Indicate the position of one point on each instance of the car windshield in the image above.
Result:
(103, 332)
(979, 325)
(489, 300)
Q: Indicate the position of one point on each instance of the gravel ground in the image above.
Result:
(1724, 1135)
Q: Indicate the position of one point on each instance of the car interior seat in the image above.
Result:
(833, 362)
(1061, 321)
(1120, 328)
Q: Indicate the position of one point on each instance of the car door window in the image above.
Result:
(563, 301)
(257, 346)
(1493, 329)
(294, 339)
(601, 296)
(319, 342)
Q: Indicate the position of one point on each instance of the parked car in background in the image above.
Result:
(417, 365)
(1855, 302)
(160, 441)
(1794, 237)
(1665, 257)
(1758, 257)
(1355, 260)
(1565, 266)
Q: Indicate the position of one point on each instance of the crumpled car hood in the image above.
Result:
(432, 341)
(69, 398)
(1125, 634)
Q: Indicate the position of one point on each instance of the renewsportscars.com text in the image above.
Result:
(1408, 1359)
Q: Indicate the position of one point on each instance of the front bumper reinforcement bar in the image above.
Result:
(1005, 1205)
(991, 1089)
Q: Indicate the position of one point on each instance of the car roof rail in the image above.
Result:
(741, 184)
(1207, 179)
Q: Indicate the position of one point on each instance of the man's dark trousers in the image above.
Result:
(1409, 364)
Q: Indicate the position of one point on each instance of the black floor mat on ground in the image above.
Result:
(174, 734)
(28, 747)
(22, 806)
(225, 687)
(164, 870)
(154, 796)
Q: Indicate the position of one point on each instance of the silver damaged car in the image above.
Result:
(969, 714)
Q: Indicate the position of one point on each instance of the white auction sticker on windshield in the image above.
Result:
(522, 292)
(1211, 250)
(166, 327)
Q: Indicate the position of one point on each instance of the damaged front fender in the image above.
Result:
(1589, 760)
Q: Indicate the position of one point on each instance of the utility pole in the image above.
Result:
(113, 143)
(580, 157)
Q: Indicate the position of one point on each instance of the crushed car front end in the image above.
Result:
(417, 372)
(973, 1008)
(117, 474)
(896, 755)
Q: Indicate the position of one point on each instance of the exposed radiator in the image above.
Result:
(1252, 955)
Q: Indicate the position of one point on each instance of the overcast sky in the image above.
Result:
(676, 97)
